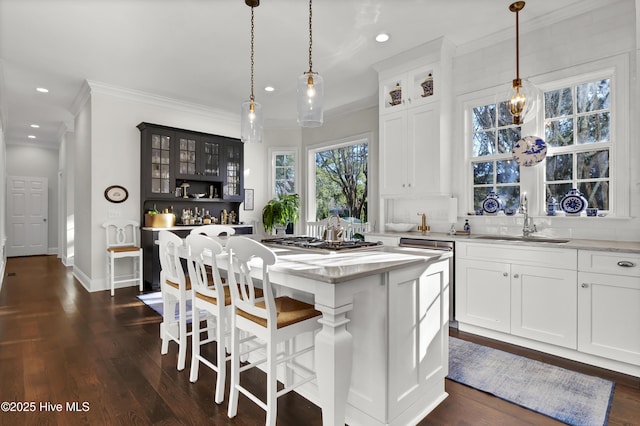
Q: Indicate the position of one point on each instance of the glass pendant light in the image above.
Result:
(310, 89)
(523, 94)
(251, 111)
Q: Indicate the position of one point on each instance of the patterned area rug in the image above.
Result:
(154, 301)
(567, 396)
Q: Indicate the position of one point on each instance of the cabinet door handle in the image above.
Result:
(516, 276)
(409, 185)
(626, 264)
(505, 274)
(584, 285)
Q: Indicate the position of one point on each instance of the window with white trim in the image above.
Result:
(577, 121)
(284, 179)
(583, 116)
(493, 167)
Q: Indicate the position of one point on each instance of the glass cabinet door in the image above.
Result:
(160, 164)
(186, 156)
(233, 187)
(210, 158)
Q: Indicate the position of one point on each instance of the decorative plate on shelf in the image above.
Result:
(491, 204)
(116, 194)
(573, 203)
(529, 151)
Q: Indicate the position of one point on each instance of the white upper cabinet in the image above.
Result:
(408, 89)
(415, 121)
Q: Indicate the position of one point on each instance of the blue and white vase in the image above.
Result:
(552, 206)
(573, 203)
(492, 204)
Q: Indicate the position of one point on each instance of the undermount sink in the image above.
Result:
(520, 238)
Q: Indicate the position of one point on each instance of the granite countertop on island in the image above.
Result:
(332, 267)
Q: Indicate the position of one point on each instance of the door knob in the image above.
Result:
(505, 274)
(584, 285)
(516, 276)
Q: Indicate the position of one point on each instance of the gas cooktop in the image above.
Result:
(318, 243)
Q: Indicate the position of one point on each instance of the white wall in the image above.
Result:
(82, 196)
(3, 203)
(107, 139)
(257, 164)
(29, 160)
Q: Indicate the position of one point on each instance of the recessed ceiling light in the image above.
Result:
(35, 126)
(42, 90)
(31, 137)
(382, 37)
(269, 89)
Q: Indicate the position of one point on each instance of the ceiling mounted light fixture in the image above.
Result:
(382, 37)
(310, 89)
(251, 111)
(522, 95)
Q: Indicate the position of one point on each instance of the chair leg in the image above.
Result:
(195, 342)
(183, 341)
(111, 274)
(235, 371)
(139, 272)
(221, 361)
(168, 321)
(272, 385)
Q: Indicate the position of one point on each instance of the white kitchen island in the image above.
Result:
(381, 356)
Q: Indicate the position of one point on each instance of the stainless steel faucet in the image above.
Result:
(528, 227)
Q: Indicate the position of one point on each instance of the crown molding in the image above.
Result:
(529, 25)
(160, 101)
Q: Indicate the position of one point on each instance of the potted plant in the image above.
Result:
(280, 212)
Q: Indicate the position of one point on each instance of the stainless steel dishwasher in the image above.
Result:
(437, 245)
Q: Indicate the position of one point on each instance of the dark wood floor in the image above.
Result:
(60, 344)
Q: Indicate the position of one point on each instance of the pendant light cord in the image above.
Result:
(310, 36)
(517, 46)
(252, 63)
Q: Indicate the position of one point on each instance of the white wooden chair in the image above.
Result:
(176, 289)
(316, 229)
(356, 228)
(271, 321)
(212, 297)
(123, 242)
(213, 230)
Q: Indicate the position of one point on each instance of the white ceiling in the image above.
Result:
(198, 50)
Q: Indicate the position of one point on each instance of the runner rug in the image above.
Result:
(565, 395)
(154, 301)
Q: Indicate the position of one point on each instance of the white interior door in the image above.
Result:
(27, 207)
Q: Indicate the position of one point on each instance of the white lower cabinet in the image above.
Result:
(579, 304)
(522, 295)
(609, 305)
(483, 294)
(543, 304)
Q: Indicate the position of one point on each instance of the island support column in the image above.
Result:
(333, 359)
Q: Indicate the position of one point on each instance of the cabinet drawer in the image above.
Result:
(533, 255)
(617, 263)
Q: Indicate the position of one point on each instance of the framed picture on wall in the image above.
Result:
(248, 199)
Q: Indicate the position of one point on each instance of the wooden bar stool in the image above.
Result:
(269, 322)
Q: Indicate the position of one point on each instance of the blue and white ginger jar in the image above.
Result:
(573, 203)
(492, 204)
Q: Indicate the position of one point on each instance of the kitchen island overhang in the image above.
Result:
(382, 354)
